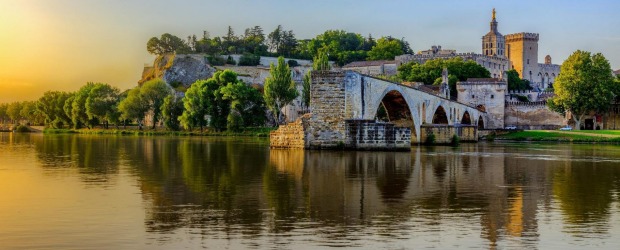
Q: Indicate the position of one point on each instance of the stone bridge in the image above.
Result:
(348, 108)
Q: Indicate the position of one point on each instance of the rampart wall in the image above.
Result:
(532, 115)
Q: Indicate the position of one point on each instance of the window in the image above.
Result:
(492, 96)
(528, 61)
(472, 96)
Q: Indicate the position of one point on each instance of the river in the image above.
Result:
(127, 192)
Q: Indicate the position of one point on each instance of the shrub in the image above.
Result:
(248, 59)
(430, 139)
(230, 60)
(455, 140)
(292, 63)
(216, 60)
(491, 136)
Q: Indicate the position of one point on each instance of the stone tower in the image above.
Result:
(493, 43)
(522, 51)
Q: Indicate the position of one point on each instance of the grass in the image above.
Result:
(564, 136)
(597, 132)
(251, 132)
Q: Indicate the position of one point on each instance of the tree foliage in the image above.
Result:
(515, 82)
(153, 93)
(79, 117)
(321, 62)
(246, 104)
(134, 107)
(585, 85)
(51, 106)
(386, 49)
(279, 88)
(166, 44)
(171, 109)
(101, 103)
(341, 46)
(431, 70)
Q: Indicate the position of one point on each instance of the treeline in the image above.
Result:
(341, 46)
(222, 102)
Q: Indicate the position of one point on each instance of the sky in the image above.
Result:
(62, 44)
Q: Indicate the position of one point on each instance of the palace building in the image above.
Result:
(501, 53)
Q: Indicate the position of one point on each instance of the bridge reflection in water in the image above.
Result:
(235, 189)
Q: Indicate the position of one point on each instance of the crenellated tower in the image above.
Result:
(523, 54)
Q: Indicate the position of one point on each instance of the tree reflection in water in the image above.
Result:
(224, 188)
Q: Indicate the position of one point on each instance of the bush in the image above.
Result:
(230, 60)
(248, 59)
(216, 60)
(522, 98)
(455, 140)
(292, 63)
(430, 139)
(491, 136)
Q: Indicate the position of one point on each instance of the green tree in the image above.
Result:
(3, 112)
(68, 109)
(153, 93)
(585, 85)
(430, 71)
(102, 102)
(515, 82)
(79, 117)
(166, 44)
(134, 107)
(254, 41)
(247, 106)
(29, 112)
(386, 49)
(321, 61)
(14, 110)
(171, 109)
(51, 106)
(195, 106)
(279, 88)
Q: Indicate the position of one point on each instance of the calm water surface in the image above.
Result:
(114, 192)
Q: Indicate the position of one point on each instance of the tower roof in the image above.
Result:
(493, 26)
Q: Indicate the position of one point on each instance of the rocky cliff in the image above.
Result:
(178, 69)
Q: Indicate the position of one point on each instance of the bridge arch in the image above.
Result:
(396, 108)
(480, 123)
(440, 116)
(466, 119)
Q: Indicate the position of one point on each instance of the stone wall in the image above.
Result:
(291, 135)
(371, 135)
(327, 95)
(532, 115)
(444, 133)
(486, 94)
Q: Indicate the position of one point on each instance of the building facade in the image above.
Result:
(501, 53)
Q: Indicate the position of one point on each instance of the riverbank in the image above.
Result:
(581, 136)
(249, 132)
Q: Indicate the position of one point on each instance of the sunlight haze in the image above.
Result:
(62, 44)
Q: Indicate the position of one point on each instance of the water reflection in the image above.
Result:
(237, 189)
